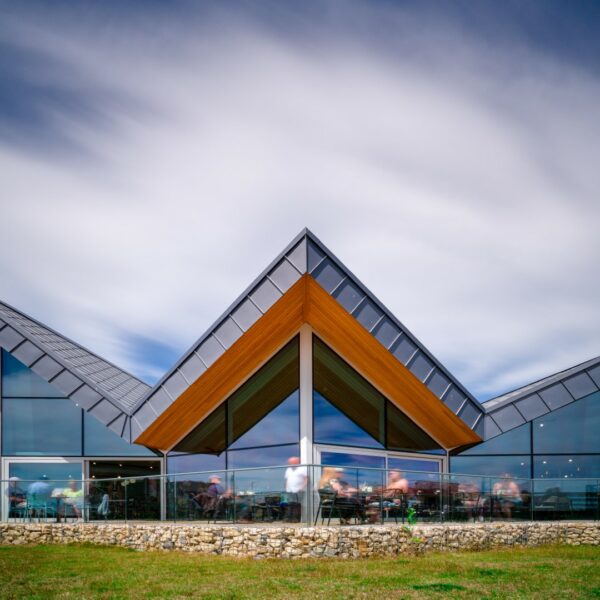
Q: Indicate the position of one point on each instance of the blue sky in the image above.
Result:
(155, 156)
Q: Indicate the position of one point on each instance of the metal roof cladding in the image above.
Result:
(307, 254)
(96, 385)
(128, 406)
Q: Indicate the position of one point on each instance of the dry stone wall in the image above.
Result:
(304, 542)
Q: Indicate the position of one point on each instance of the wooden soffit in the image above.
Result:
(307, 302)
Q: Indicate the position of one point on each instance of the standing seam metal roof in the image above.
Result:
(96, 385)
(533, 400)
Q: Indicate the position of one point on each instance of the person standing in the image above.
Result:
(296, 477)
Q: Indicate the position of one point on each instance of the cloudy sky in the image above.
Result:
(155, 156)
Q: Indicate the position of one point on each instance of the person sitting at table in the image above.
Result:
(17, 498)
(73, 495)
(347, 501)
(394, 493)
(506, 496)
(38, 495)
(396, 484)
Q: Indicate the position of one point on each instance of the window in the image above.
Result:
(349, 411)
(57, 475)
(332, 426)
(19, 381)
(566, 467)
(101, 441)
(195, 463)
(263, 413)
(345, 390)
(573, 428)
(497, 466)
(261, 457)
(280, 426)
(516, 441)
(41, 427)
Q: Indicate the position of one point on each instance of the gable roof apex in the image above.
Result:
(306, 254)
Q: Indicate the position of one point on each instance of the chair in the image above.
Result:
(269, 509)
(39, 507)
(397, 506)
(326, 503)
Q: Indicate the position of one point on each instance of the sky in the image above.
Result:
(156, 156)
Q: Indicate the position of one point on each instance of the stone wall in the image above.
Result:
(304, 542)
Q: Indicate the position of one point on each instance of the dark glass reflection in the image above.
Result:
(349, 411)
(497, 466)
(37, 427)
(266, 390)
(346, 390)
(19, 381)
(332, 426)
(573, 428)
(270, 395)
(101, 441)
(403, 434)
(566, 467)
(261, 457)
(516, 441)
(210, 436)
(280, 426)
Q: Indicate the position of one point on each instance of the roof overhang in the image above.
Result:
(307, 302)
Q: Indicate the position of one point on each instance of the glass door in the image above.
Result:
(387, 481)
(47, 488)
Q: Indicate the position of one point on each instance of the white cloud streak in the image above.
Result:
(460, 184)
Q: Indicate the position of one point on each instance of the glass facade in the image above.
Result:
(563, 444)
(258, 425)
(349, 411)
(38, 421)
(572, 429)
(41, 427)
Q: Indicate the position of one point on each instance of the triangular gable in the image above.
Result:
(307, 255)
(99, 387)
(307, 302)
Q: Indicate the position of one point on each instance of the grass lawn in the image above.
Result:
(97, 572)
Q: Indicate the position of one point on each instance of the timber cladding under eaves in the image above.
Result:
(307, 302)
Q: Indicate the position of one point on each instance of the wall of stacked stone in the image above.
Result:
(304, 542)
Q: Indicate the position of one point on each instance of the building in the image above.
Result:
(305, 363)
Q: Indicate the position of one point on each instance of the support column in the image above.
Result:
(306, 416)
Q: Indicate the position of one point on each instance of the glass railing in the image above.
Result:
(307, 494)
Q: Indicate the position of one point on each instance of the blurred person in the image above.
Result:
(73, 495)
(506, 495)
(296, 478)
(17, 498)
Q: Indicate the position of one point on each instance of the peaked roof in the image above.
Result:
(533, 400)
(96, 385)
(306, 254)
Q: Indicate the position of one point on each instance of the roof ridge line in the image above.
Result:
(68, 339)
(392, 315)
(542, 379)
(305, 232)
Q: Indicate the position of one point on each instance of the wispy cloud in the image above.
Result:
(152, 164)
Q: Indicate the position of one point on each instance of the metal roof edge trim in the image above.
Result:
(73, 370)
(396, 321)
(211, 328)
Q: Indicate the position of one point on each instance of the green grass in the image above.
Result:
(96, 572)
